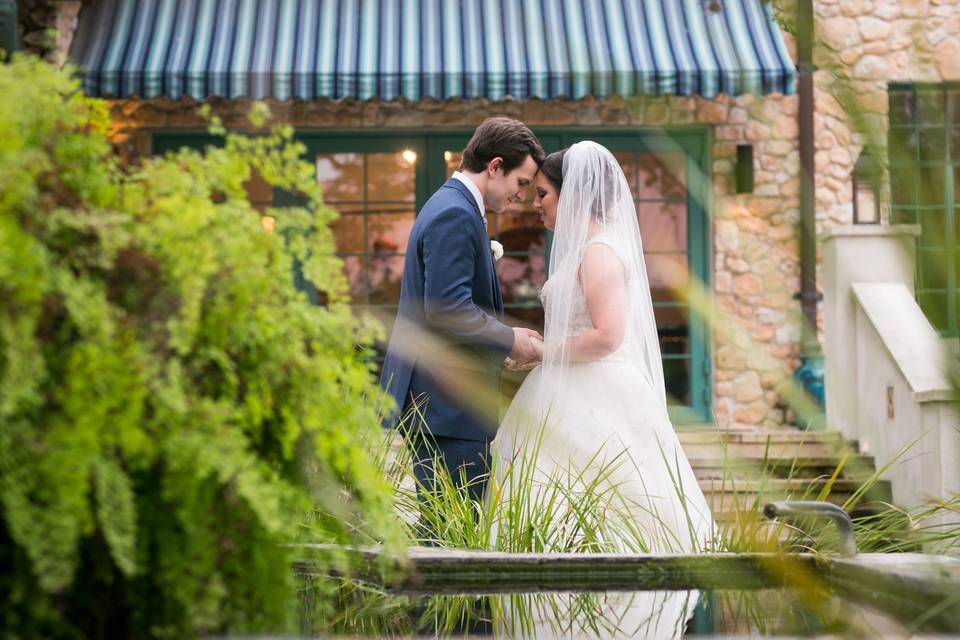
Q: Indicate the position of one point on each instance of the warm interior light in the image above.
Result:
(409, 155)
(268, 223)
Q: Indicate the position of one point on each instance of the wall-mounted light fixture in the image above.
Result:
(744, 168)
(866, 178)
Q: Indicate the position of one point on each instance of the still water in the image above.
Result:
(367, 611)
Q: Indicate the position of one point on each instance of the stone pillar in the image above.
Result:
(48, 28)
(855, 254)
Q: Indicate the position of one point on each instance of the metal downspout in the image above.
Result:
(810, 373)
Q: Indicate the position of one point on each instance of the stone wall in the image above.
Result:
(47, 27)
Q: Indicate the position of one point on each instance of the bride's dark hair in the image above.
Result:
(552, 167)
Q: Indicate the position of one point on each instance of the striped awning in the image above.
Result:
(440, 49)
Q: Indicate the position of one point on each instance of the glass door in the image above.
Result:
(665, 176)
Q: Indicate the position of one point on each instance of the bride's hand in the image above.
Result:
(513, 365)
(526, 365)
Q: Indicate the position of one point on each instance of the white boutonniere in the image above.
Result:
(496, 249)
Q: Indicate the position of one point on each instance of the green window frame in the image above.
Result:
(924, 146)
(431, 173)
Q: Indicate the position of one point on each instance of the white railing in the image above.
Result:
(887, 371)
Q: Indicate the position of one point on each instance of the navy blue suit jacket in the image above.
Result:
(449, 292)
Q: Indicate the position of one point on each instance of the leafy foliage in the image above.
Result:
(172, 409)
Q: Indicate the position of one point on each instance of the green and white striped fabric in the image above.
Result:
(441, 49)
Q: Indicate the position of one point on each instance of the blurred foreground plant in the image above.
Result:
(172, 409)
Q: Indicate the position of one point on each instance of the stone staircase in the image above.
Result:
(739, 471)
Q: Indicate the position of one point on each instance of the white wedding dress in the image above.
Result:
(608, 418)
(601, 426)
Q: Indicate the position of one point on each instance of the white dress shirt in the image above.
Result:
(475, 191)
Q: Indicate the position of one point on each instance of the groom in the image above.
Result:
(449, 341)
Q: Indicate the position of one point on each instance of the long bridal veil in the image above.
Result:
(588, 439)
(596, 205)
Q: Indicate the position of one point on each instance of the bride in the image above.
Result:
(593, 415)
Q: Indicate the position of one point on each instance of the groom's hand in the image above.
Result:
(527, 345)
(513, 365)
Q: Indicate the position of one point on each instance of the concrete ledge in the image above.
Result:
(911, 586)
(428, 569)
(913, 343)
(869, 230)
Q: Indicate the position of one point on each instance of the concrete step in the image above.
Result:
(761, 450)
(708, 433)
(762, 444)
(723, 494)
(855, 467)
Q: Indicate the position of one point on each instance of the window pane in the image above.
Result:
(353, 268)
(667, 273)
(933, 144)
(934, 265)
(493, 223)
(392, 176)
(933, 227)
(903, 215)
(934, 306)
(348, 232)
(517, 214)
(518, 220)
(953, 109)
(533, 245)
(903, 184)
(340, 175)
(930, 106)
(903, 144)
(521, 278)
(673, 327)
(388, 232)
(628, 162)
(676, 377)
(902, 107)
(451, 160)
(932, 187)
(663, 225)
(662, 175)
(386, 274)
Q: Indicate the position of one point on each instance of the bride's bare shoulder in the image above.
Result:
(601, 261)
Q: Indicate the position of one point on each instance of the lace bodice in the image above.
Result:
(580, 320)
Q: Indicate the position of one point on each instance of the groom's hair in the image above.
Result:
(501, 137)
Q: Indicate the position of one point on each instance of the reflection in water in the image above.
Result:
(365, 610)
(646, 614)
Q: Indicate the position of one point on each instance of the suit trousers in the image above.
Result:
(466, 461)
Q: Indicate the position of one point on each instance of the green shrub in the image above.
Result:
(172, 409)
